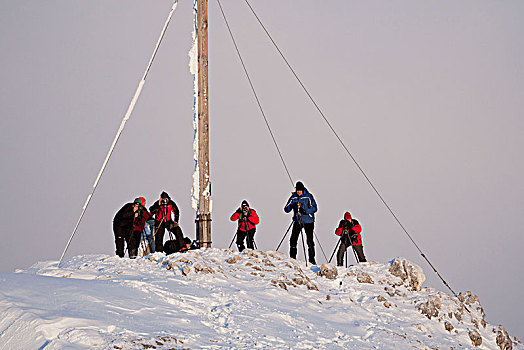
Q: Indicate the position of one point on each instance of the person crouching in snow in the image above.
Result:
(247, 221)
(164, 210)
(349, 229)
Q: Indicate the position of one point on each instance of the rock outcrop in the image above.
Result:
(411, 274)
(503, 339)
(329, 271)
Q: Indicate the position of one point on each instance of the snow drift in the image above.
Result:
(215, 298)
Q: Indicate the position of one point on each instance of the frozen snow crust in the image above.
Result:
(217, 298)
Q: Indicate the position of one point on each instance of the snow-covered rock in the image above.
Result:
(219, 298)
(410, 273)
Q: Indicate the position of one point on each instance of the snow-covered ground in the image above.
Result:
(217, 298)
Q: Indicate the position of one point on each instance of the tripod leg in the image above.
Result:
(250, 239)
(230, 244)
(253, 241)
(303, 244)
(284, 236)
(355, 254)
(322, 249)
(334, 250)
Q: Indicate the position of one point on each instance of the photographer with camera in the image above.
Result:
(247, 221)
(349, 231)
(128, 225)
(163, 210)
(304, 208)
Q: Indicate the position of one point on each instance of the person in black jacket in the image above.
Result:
(164, 210)
(128, 225)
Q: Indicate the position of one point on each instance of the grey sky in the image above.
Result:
(427, 95)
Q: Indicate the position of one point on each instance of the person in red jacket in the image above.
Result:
(164, 210)
(247, 221)
(349, 229)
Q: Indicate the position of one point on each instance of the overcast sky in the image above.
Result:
(428, 96)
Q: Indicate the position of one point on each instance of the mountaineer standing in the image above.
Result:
(304, 208)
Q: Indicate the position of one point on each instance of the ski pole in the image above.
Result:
(284, 235)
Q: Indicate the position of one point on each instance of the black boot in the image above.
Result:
(311, 254)
(133, 253)
(293, 252)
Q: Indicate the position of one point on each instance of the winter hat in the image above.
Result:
(299, 186)
(245, 203)
(140, 200)
(347, 216)
(164, 195)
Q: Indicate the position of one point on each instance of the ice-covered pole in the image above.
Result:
(121, 128)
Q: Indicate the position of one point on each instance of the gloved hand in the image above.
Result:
(354, 237)
(302, 210)
(239, 211)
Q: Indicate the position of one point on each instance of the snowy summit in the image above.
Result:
(218, 298)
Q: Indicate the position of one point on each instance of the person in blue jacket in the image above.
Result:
(304, 208)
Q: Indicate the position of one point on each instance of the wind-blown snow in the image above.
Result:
(193, 68)
(216, 299)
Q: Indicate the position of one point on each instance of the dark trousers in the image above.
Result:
(159, 235)
(344, 244)
(127, 235)
(295, 232)
(241, 235)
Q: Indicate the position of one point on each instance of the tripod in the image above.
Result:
(350, 241)
(250, 238)
(301, 224)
